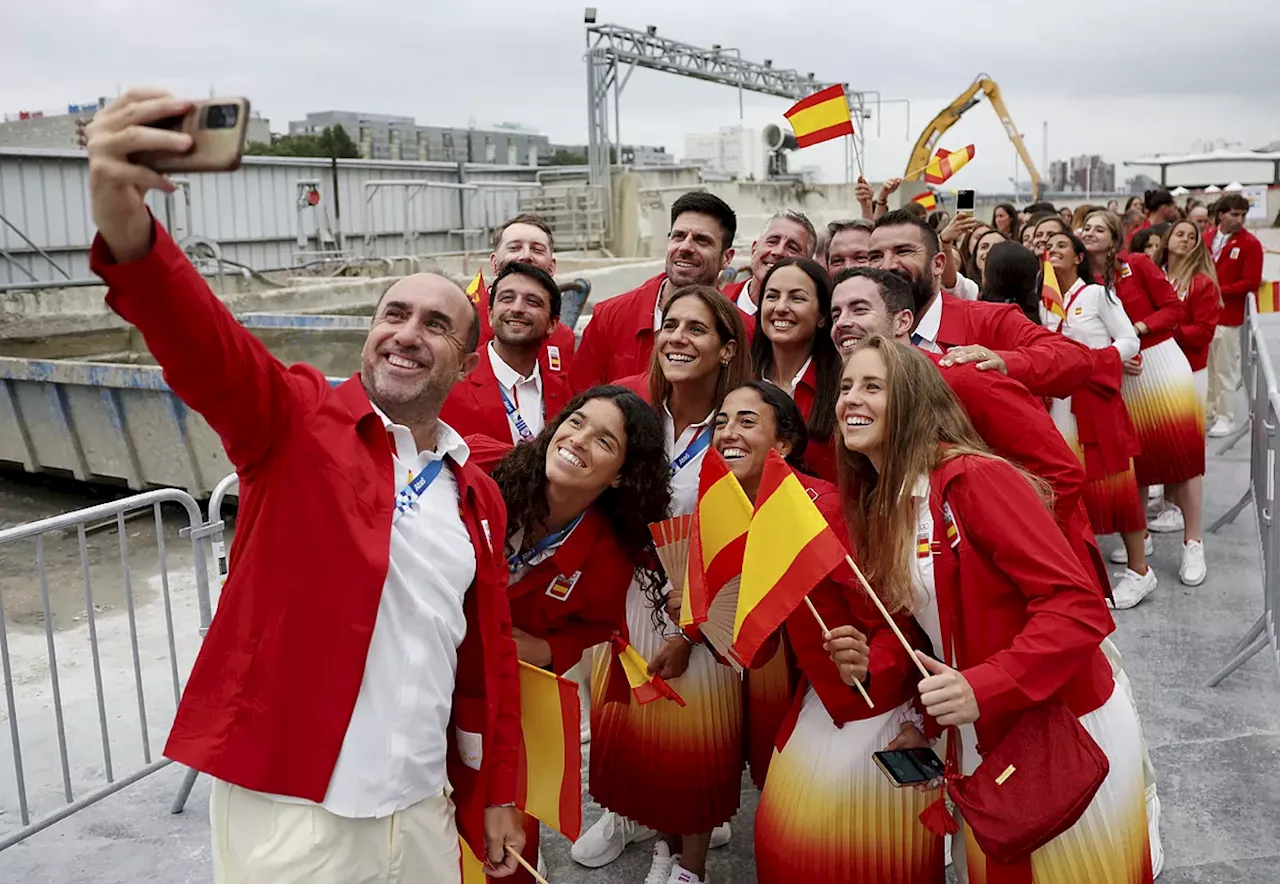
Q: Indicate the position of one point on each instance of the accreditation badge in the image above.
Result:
(562, 586)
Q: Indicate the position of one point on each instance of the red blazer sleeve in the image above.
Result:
(1251, 272)
(1169, 310)
(487, 452)
(212, 362)
(501, 759)
(1016, 426)
(591, 361)
(1203, 307)
(1046, 363)
(1066, 616)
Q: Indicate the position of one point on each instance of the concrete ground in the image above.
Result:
(1217, 750)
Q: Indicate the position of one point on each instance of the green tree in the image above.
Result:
(333, 141)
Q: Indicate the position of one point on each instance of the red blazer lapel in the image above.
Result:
(488, 401)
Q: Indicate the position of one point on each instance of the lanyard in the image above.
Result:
(518, 560)
(696, 447)
(513, 414)
(1073, 292)
(408, 496)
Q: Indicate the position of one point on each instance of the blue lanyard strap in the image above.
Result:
(513, 414)
(696, 447)
(408, 496)
(518, 560)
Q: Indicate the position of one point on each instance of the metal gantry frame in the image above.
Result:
(614, 53)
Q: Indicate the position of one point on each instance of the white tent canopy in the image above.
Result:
(1179, 191)
(1213, 188)
(1234, 187)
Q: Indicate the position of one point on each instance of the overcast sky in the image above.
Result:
(1114, 77)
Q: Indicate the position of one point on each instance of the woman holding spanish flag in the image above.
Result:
(826, 814)
(676, 770)
(1014, 621)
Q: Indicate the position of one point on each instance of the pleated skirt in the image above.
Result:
(671, 768)
(829, 816)
(767, 695)
(1166, 414)
(1109, 843)
(1111, 501)
(1201, 379)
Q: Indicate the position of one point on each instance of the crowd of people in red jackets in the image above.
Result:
(967, 438)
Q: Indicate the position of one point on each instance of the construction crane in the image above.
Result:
(928, 141)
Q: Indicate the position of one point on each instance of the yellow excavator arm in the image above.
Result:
(928, 141)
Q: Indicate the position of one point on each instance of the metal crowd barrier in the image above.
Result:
(1264, 474)
(74, 755)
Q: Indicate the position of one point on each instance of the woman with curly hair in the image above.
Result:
(676, 770)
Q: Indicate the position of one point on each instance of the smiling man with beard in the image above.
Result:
(618, 341)
(361, 657)
(998, 337)
(508, 395)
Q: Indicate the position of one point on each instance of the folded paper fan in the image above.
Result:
(717, 628)
(671, 538)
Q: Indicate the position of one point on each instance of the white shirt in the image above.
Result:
(926, 334)
(1096, 320)
(525, 393)
(795, 381)
(1219, 241)
(965, 289)
(394, 751)
(684, 484)
(744, 302)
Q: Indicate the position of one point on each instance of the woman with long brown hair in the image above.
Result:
(675, 770)
(966, 543)
(1158, 388)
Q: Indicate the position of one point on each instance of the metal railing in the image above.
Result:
(1262, 426)
(23, 701)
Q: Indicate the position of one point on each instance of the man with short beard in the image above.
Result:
(356, 699)
(507, 394)
(618, 341)
(998, 337)
(788, 234)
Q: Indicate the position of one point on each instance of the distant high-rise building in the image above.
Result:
(393, 137)
(1059, 176)
(733, 152)
(1087, 173)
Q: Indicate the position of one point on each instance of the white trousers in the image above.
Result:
(257, 840)
(1224, 373)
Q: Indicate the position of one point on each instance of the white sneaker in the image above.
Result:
(1120, 556)
(1132, 589)
(720, 836)
(1155, 492)
(681, 875)
(1193, 570)
(1153, 832)
(662, 864)
(1221, 427)
(1168, 522)
(604, 842)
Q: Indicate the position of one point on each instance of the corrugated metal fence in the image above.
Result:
(260, 216)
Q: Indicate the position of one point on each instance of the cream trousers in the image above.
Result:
(1224, 373)
(257, 840)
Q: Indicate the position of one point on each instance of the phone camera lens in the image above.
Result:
(221, 116)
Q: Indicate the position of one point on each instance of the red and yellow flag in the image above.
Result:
(1051, 292)
(645, 688)
(1269, 297)
(479, 296)
(926, 199)
(472, 868)
(820, 117)
(944, 165)
(718, 539)
(790, 548)
(549, 781)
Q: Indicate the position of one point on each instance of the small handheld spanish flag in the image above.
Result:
(1051, 292)
(945, 164)
(645, 688)
(926, 199)
(820, 117)
(475, 288)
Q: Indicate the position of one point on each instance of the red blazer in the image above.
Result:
(1203, 307)
(618, 340)
(557, 351)
(474, 405)
(734, 289)
(1147, 297)
(269, 699)
(1239, 267)
(1016, 426)
(1026, 619)
(1046, 363)
(820, 454)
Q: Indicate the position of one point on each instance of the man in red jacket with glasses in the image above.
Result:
(360, 665)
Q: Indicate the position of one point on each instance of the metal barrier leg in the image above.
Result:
(184, 791)
(1240, 433)
(1230, 515)
(1237, 661)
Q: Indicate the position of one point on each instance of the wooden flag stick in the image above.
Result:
(884, 612)
(857, 155)
(528, 868)
(823, 627)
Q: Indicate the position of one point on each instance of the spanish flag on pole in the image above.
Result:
(1269, 297)
(479, 295)
(645, 688)
(549, 779)
(926, 199)
(944, 164)
(717, 541)
(820, 117)
(1051, 292)
(790, 549)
